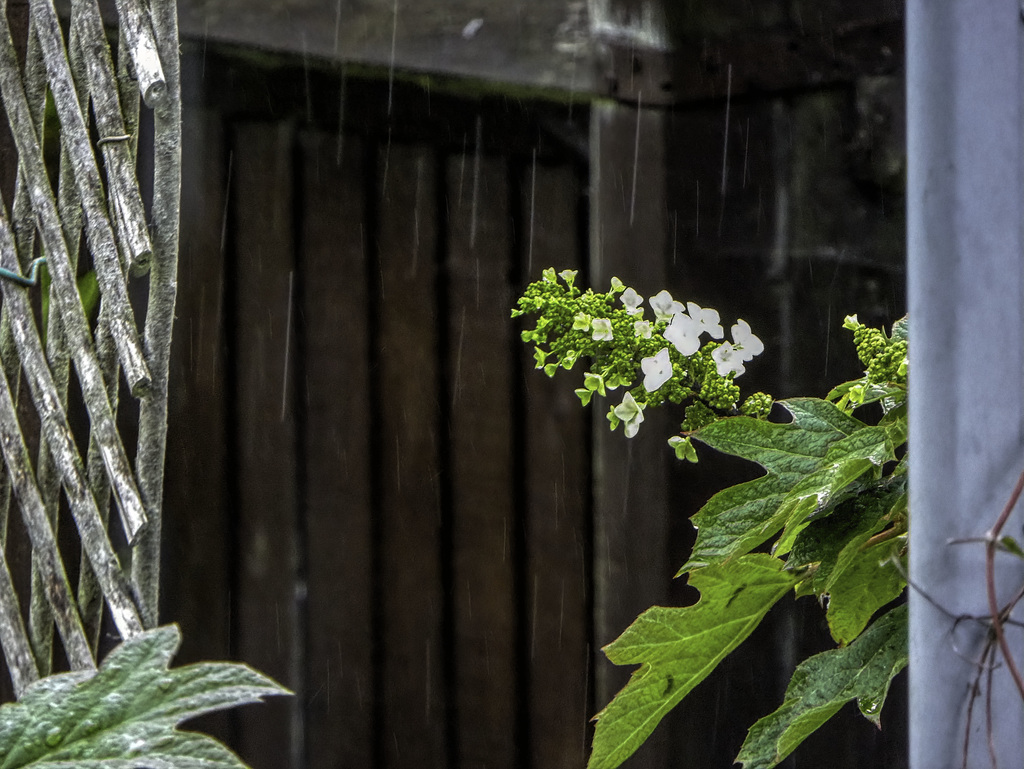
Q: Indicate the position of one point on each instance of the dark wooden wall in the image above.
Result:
(379, 502)
(375, 503)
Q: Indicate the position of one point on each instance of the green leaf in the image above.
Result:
(677, 648)
(846, 461)
(124, 715)
(741, 517)
(833, 542)
(901, 329)
(822, 684)
(868, 583)
(1011, 546)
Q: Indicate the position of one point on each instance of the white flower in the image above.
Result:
(684, 333)
(743, 348)
(707, 318)
(602, 329)
(664, 306)
(745, 341)
(631, 414)
(643, 329)
(658, 370)
(728, 358)
(581, 322)
(632, 300)
(569, 276)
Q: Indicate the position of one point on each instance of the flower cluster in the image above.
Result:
(664, 358)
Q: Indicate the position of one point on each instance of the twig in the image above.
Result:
(991, 540)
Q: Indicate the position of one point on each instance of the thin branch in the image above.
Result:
(992, 538)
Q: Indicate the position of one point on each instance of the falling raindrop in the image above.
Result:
(725, 148)
(458, 359)
(725, 136)
(533, 629)
(416, 218)
(341, 112)
(462, 169)
(696, 233)
(636, 157)
(287, 344)
(476, 179)
(337, 28)
(746, 153)
(533, 200)
(391, 66)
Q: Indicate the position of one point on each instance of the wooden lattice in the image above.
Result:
(94, 208)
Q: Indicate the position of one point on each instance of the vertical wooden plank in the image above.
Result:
(197, 565)
(197, 575)
(631, 572)
(557, 473)
(480, 441)
(265, 604)
(413, 674)
(337, 486)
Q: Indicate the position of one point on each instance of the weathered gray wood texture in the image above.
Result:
(657, 51)
(532, 42)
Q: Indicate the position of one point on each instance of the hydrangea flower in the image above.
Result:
(708, 319)
(581, 322)
(602, 329)
(728, 359)
(631, 414)
(744, 347)
(643, 329)
(743, 339)
(684, 334)
(569, 276)
(632, 300)
(664, 306)
(657, 370)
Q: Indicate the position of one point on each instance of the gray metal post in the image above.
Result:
(966, 262)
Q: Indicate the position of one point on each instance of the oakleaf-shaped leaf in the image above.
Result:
(678, 647)
(867, 584)
(846, 461)
(124, 715)
(835, 541)
(741, 517)
(822, 684)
